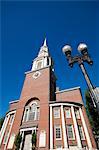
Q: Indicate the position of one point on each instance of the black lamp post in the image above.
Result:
(80, 59)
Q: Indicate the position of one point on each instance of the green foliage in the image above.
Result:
(34, 138)
(1, 122)
(92, 113)
(18, 140)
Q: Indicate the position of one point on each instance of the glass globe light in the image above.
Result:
(82, 47)
(66, 49)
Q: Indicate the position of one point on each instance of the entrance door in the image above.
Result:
(27, 141)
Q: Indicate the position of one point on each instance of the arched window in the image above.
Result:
(31, 112)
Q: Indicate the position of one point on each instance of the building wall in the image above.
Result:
(39, 90)
(72, 95)
(32, 88)
(76, 142)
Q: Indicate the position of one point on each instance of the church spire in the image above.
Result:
(43, 59)
(45, 44)
(43, 50)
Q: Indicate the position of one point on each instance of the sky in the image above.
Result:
(25, 24)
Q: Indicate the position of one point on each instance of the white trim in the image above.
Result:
(22, 132)
(9, 132)
(11, 112)
(51, 128)
(36, 74)
(27, 129)
(85, 129)
(4, 128)
(37, 69)
(11, 141)
(64, 128)
(76, 128)
(5, 138)
(13, 101)
(24, 115)
(64, 104)
(31, 103)
(22, 140)
(66, 90)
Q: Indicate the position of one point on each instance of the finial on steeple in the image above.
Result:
(45, 42)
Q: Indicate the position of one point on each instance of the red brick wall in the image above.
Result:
(13, 106)
(69, 96)
(35, 88)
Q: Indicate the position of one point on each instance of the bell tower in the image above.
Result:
(31, 111)
(43, 59)
(38, 88)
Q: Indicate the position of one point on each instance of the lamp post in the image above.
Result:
(80, 59)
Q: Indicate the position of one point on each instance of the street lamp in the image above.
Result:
(80, 59)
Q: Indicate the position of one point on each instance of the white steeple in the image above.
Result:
(43, 50)
(43, 59)
(45, 42)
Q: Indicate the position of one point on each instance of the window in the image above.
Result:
(5, 138)
(58, 132)
(81, 132)
(31, 112)
(39, 64)
(77, 114)
(11, 119)
(68, 113)
(26, 115)
(57, 113)
(70, 132)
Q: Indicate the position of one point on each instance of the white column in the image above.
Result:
(22, 139)
(76, 128)
(64, 128)
(9, 132)
(85, 129)
(24, 115)
(4, 128)
(51, 128)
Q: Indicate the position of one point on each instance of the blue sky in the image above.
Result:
(24, 25)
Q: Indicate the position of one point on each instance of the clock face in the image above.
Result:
(36, 74)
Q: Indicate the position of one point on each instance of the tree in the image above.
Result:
(92, 113)
(34, 138)
(1, 122)
(18, 140)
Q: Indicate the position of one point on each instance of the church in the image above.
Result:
(57, 117)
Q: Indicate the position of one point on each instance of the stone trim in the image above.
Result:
(66, 90)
